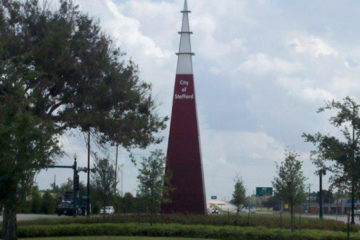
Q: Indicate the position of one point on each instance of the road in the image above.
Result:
(29, 217)
(342, 218)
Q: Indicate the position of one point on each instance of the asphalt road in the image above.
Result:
(342, 218)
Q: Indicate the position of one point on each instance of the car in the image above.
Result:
(107, 210)
(214, 211)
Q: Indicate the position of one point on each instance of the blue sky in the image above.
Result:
(262, 68)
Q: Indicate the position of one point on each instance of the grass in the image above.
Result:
(114, 238)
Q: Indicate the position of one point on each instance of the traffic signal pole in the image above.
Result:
(321, 201)
(75, 186)
(75, 180)
(320, 195)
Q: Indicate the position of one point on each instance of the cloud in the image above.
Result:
(345, 85)
(262, 64)
(303, 89)
(312, 45)
(133, 37)
(210, 46)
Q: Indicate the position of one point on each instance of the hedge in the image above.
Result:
(179, 230)
(256, 220)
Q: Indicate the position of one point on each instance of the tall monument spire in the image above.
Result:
(184, 65)
(183, 156)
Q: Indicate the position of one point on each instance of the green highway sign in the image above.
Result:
(213, 197)
(264, 191)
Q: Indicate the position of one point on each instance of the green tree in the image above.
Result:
(153, 185)
(59, 72)
(289, 184)
(239, 193)
(35, 200)
(129, 203)
(28, 145)
(104, 180)
(48, 203)
(341, 156)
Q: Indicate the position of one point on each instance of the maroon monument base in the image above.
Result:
(183, 155)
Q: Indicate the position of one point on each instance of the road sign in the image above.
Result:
(213, 197)
(264, 191)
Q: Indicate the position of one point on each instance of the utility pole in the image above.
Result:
(352, 171)
(88, 177)
(54, 184)
(122, 180)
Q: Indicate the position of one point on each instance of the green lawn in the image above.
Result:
(115, 238)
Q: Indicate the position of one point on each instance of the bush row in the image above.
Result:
(256, 220)
(179, 230)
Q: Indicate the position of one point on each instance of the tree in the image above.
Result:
(153, 185)
(28, 145)
(129, 203)
(239, 193)
(104, 180)
(340, 156)
(35, 200)
(48, 204)
(289, 184)
(59, 72)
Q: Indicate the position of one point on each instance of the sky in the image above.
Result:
(262, 68)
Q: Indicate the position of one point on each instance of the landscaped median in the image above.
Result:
(178, 230)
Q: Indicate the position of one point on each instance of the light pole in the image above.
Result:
(116, 167)
(121, 180)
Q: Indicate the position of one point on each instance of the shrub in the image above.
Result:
(179, 230)
(256, 220)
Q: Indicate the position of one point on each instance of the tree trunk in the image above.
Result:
(104, 208)
(281, 210)
(352, 202)
(300, 217)
(9, 222)
(152, 209)
(292, 215)
(237, 215)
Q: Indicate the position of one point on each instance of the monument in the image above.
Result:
(183, 154)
